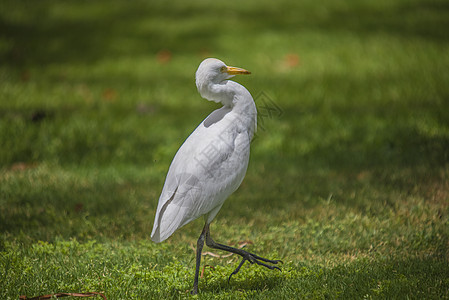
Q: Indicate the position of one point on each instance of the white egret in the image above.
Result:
(211, 163)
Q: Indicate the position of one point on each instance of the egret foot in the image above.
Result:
(252, 258)
(247, 256)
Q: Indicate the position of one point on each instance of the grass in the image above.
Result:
(348, 181)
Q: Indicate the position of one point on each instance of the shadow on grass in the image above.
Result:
(389, 278)
(381, 277)
(96, 30)
(84, 34)
(61, 210)
(243, 284)
(421, 19)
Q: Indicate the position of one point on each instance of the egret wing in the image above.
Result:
(208, 167)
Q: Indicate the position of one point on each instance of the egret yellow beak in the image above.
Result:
(236, 71)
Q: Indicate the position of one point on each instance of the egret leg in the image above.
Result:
(247, 256)
(199, 248)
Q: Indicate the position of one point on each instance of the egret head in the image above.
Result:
(213, 71)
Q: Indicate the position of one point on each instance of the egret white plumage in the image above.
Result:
(211, 163)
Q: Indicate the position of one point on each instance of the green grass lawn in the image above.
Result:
(348, 181)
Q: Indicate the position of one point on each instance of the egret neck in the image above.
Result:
(231, 95)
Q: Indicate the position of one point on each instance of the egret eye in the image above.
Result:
(223, 69)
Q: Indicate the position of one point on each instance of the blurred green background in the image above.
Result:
(348, 180)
